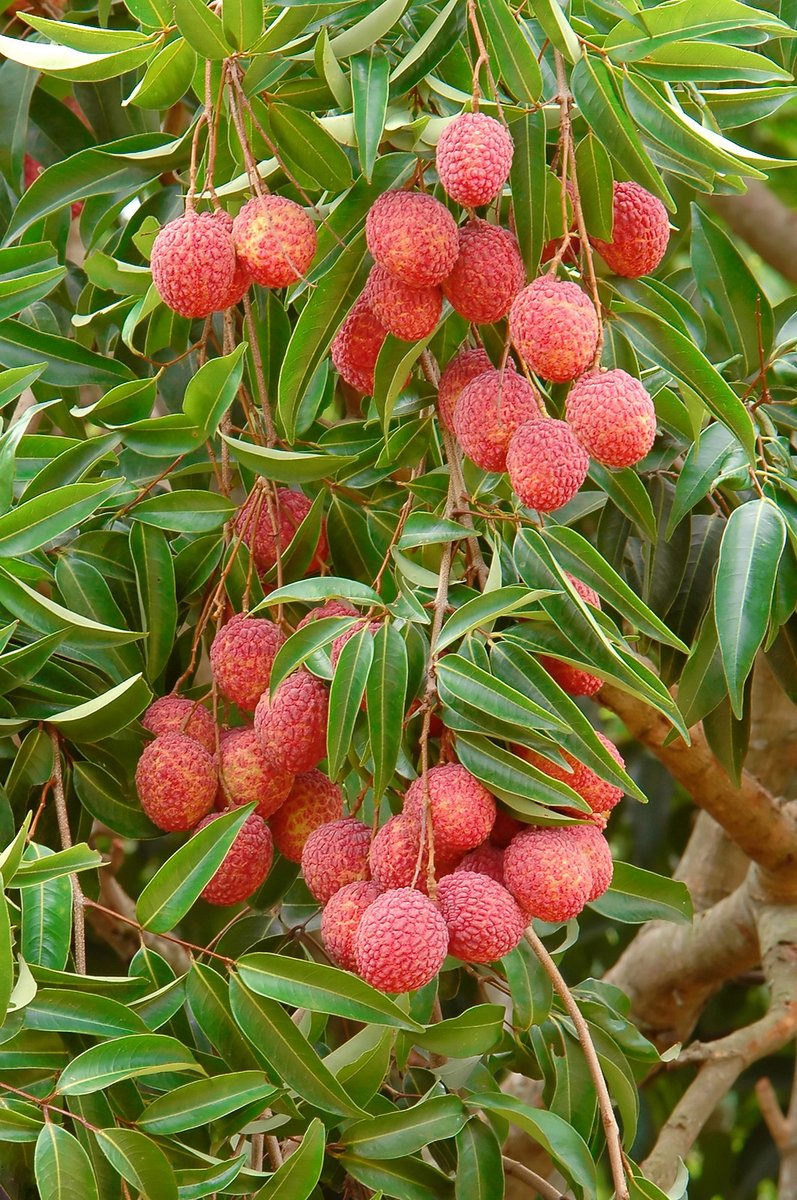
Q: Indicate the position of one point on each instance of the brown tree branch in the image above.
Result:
(78, 916)
(763, 221)
(535, 1181)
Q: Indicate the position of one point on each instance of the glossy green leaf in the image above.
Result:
(6, 957)
(140, 1161)
(702, 466)
(473, 1032)
(38, 521)
(394, 1135)
(297, 1177)
(309, 145)
(409, 1178)
(369, 82)
(212, 390)
(81, 1012)
(243, 22)
(205, 1100)
(202, 28)
(105, 714)
(167, 77)
(385, 698)
(62, 1167)
(636, 896)
(560, 1140)
(483, 611)
(594, 173)
(480, 1167)
(346, 696)
(185, 510)
(514, 59)
(129, 1057)
(157, 599)
(287, 466)
(33, 872)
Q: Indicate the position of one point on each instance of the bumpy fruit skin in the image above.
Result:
(462, 809)
(176, 781)
(275, 239)
(239, 286)
(245, 865)
(640, 232)
(484, 921)
(355, 347)
(247, 775)
(572, 680)
(473, 158)
(341, 917)
(612, 416)
(587, 594)
(241, 657)
(489, 411)
(347, 635)
(460, 371)
(599, 855)
(292, 724)
(599, 795)
(414, 236)
(393, 856)
(193, 264)
(504, 828)
(548, 873)
(336, 854)
(487, 275)
(269, 528)
(177, 714)
(313, 800)
(486, 859)
(409, 313)
(554, 327)
(546, 464)
(332, 608)
(401, 941)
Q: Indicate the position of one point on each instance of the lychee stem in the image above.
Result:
(482, 61)
(260, 377)
(79, 919)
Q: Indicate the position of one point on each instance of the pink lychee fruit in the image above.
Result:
(612, 416)
(600, 795)
(555, 328)
(487, 275)
(548, 873)
(241, 657)
(247, 775)
(341, 917)
(599, 855)
(546, 464)
(484, 921)
(291, 725)
(487, 859)
(193, 264)
(176, 781)
(275, 240)
(313, 800)
(330, 608)
(504, 828)
(401, 941)
(355, 347)
(336, 854)
(489, 411)
(413, 235)
(474, 155)
(462, 809)
(464, 367)
(640, 232)
(245, 865)
(267, 525)
(409, 313)
(178, 714)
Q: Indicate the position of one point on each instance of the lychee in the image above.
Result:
(483, 920)
(247, 775)
(548, 872)
(240, 285)
(504, 828)
(555, 328)
(413, 235)
(401, 941)
(348, 634)
(587, 594)
(462, 809)
(313, 800)
(178, 714)
(473, 158)
(612, 416)
(489, 410)
(330, 608)
(393, 856)
(355, 347)
(487, 275)
(275, 239)
(599, 795)
(267, 524)
(546, 464)
(599, 855)
(176, 781)
(640, 232)
(336, 854)
(571, 679)
(464, 367)
(292, 724)
(487, 859)
(193, 264)
(245, 865)
(241, 657)
(341, 917)
(409, 313)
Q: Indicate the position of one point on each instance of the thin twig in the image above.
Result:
(540, 1185)
(79, 930)
(260, 375)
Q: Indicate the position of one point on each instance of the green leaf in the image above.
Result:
(140, 1161)
(39, 521)
(346, 695)
(369, 83)
(528, 182)
(702, 684)
(480, 1167)
(287, 466)
(558, 29)
(320, 988)
(208, 999)
(385, 698)
(62, 1167)
(397, 1134)
(176, 886)
(185, 510)
(702, 465)
(406, 1178)
(728, 736)
(66, 63)
(59, 1011)
(483, 611)
(636, 896)
(19, 1122)
(68, 364)
(129, 1057)
(476, 1031)
(594, 173)
(27, 274)
(157, 598)
(318, 590)
(105, 798)
(203, 1101)
(752, 543)
(627, 491)
(33, 872)
(532, 990)
(514, 60)
(301, 645)
(212, 390)
(202, 29)
(48, 617)
(471, 691)
(560, 1140)
(242, 21)
(106, 714)
(367, 31)
(310, 146)
(429, 50)
(6, 958)
(297, 1177)
(167, 77)
(291, 1057)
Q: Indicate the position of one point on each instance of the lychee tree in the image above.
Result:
(396, 471)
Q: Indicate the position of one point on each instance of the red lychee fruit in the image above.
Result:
(599, 795)
(462, 809)
(409, 313)
(473, 158)
(487, 275)
(334, 855)
(330, 608)
(275, 239)
(341, 917)
(401, 941)
(245, 865)
(176, 781)
(241, 283)
(413, 235)
(355, 347)
(460, 371)
(587, 594)
(555, 328)
(393, 856)
(193, 264)
(487, 859)
(489, 411)
(347, 635)
(548, 873)
(612, 416)
(241, 657)
(268, 525)
(571, 679)
(599, 855)
(292, 724)
(312, 801)
(504, 828)
(484, 921)
(640, 232)
(178, 714)
(247, 775)
(546, 464)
